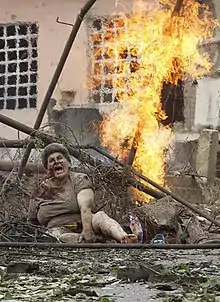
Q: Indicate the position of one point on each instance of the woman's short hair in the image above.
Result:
(53, 148)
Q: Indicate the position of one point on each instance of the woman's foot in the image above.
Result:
(129, 238)
(71, 238)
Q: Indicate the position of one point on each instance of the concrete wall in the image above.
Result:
(190, 90)
(52, 37)
(208, 102)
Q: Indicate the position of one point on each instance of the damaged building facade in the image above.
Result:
(32, 37)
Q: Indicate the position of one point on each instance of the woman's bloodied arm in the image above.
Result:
(85, 200)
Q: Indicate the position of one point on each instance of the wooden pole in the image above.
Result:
(133, 150)
(177, 8)
(30, 168)
(84, 10)
(104, 246)
(18, 144)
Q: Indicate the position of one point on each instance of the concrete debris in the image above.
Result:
(22, 267)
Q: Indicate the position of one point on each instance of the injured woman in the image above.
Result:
(63, 203)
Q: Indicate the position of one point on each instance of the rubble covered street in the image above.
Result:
(109, 275)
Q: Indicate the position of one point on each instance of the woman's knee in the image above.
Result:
(97, 220)
(100, 215)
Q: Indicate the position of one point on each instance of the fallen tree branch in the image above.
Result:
(94, 162)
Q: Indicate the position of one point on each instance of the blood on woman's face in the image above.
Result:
(58, 165)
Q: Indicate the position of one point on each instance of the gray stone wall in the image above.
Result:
(190, 103)
(79, 125)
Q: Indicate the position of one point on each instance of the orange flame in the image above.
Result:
(150, 47)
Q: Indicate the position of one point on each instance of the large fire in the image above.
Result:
(151, 46)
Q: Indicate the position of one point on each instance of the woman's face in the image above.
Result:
(58, 165)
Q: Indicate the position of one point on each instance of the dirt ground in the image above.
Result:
(109, 275)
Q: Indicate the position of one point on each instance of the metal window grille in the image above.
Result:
(18, 65)
(104, 68)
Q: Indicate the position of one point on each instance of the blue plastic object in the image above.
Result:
(158, 239)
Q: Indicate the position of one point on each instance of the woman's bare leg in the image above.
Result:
(102, 223)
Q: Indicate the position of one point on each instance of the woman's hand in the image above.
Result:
(88, 236)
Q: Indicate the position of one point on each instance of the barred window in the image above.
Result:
(103, 67)
(18, 65)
